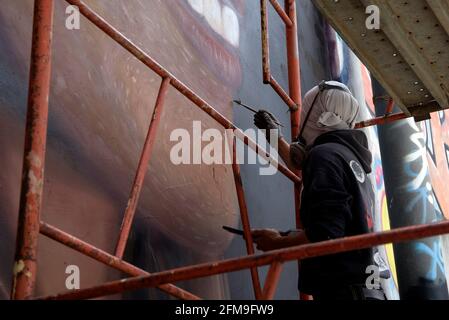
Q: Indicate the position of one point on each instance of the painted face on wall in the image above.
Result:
(100, 106)
(213, 28)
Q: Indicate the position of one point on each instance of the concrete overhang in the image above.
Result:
(408, 55)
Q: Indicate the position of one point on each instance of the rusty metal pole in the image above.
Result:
(283, 95)
(230, 265)
(266, 73)
(382, 120)
(390, 106)
(142, 169)
(24, 272)
(294, 80)
(245, 219)
(108, 259)
(284, 16)
(265, 42)
(272, 280)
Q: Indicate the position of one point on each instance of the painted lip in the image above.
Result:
(221, 57)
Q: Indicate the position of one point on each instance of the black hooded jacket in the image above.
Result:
(337, 201)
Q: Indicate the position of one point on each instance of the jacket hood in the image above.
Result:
(355, 140)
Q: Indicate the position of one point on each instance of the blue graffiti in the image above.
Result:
(415, 167)
(436, 257)
(421, 195)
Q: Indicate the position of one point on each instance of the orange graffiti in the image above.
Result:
(437, 156)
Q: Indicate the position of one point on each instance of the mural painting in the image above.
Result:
(100, 107)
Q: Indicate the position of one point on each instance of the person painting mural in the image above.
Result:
(335, 201)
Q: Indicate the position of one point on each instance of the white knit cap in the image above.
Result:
(333, 110)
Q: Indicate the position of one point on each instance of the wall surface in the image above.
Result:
(100, 106)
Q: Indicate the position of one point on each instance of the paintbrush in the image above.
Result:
(241, 233)
(239, 102)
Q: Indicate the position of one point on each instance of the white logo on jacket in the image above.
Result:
(358, 171)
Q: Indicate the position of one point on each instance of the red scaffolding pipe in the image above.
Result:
(24, 273)
(294, 80)
(282, 255)
(142, 169)
(382, 120)
(284, 96)
(108, 259)
(263, 153)
(390, 106)
(245, 219)
(265, 42)
(284, 16)
(271, 282)
(291, 28)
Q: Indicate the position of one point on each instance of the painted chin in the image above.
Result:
(212, 27)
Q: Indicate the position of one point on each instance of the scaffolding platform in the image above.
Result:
(408, 54)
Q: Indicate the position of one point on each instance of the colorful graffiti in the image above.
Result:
(436, 139)
(437, 145)
(428, 158)
(411, 201)
(421, 188)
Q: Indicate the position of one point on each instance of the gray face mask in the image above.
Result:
(328, 118)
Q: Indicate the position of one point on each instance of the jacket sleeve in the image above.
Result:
(326, 198)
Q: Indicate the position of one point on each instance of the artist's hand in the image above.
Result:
(266, 239)
(270, 239)
(267, 121)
